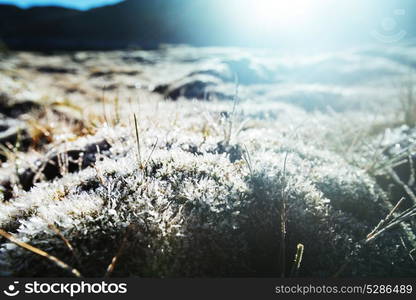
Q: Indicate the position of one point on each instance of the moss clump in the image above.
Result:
(196, 215)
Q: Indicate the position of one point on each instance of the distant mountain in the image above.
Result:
(148, 23)
(15, 21)
(140, 23)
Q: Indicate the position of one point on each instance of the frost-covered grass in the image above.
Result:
(190, 211)
(204, 189)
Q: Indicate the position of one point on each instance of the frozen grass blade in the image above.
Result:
(283, 219)
(117, 109)
(151, 152)
(66, 241)
(136, 126)
(228, 132)
(120, 251)
(390, 221)
(247, 159)
(371, 235)
(104, 108)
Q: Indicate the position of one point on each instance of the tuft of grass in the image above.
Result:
(391, 221)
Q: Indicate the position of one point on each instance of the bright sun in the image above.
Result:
(277, 13)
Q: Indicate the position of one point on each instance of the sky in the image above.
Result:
(77, 4)
(305, 24)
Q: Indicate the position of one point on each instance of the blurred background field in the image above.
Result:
(208, 138)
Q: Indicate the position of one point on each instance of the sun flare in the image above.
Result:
(272, 11)
(271, 14)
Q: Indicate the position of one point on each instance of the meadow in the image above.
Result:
(208, 162)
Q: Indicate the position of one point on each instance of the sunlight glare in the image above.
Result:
(269, 14)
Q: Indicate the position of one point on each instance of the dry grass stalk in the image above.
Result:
(283, 219)
(42, 253)
(120, 251)
(66, 241)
